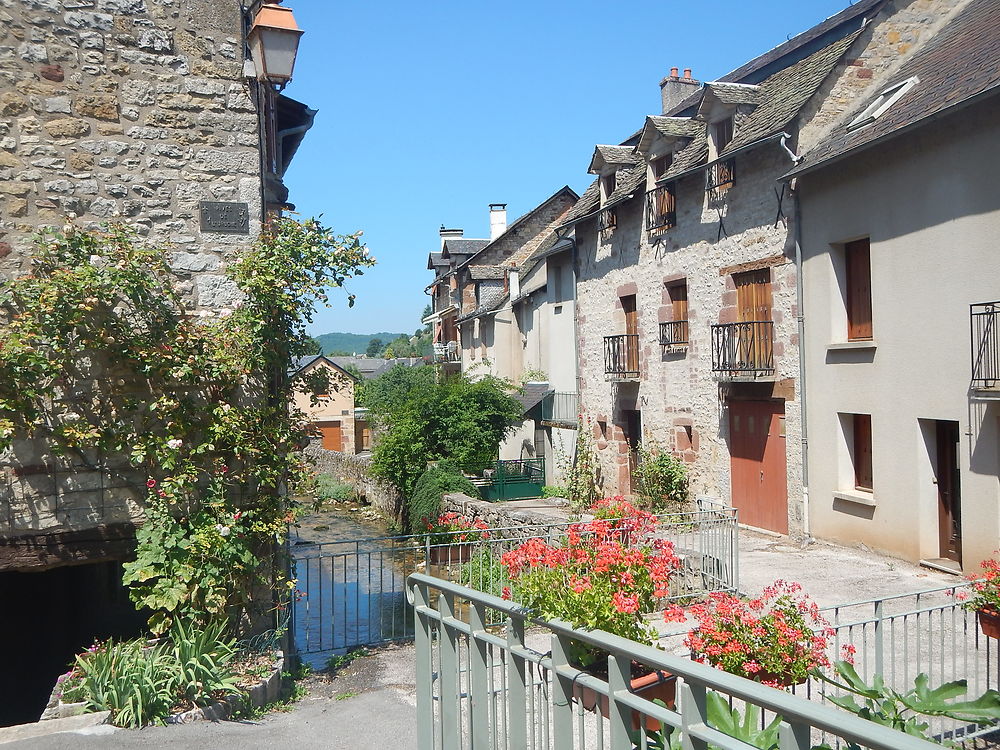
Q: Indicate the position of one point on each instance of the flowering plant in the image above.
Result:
(775, 639)
(452, 528)
(596, 578)
(631, 523)
(985, 589)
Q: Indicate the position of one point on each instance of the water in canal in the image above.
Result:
(352, 576)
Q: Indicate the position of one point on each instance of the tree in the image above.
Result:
(311, 346)
(423, 419)
(375, 347)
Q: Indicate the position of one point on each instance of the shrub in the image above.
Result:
(555, 490)
(329, 489)
(661, 479)
(425, 503)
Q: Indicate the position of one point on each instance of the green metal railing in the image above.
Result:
(514, 480)
(481, 689)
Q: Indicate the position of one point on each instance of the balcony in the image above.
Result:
(560, 409)
(621, 357)
(661, 213)
(743, 349)
(447, 352)
(607, 220)
(719, 178)
(674, 334)
(985, 325)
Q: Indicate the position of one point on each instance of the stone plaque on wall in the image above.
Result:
(225, 218)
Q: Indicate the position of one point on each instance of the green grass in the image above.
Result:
(340, 661)
(345, 696)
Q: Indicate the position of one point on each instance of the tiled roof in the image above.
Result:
(531, 394)
(372, 367)
(734, 93)
(693, 155)
(477, 273)
(462, 246)
(490, 300)
(628, 181)
(435, 260)
(621, 155)
(674, 127)
(301, 363)
(783, 94)
(958, 63)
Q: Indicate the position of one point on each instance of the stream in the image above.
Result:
(352, 578)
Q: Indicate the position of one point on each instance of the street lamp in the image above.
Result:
(274, 42)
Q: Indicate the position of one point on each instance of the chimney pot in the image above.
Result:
(498, 220)
(673, 72)
(687, 74)
(674, 89)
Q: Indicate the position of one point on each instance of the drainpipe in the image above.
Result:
(283, 134)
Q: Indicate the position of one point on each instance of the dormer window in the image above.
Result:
(608, 183)
(882, 102)
(660, 165)
(722, 134)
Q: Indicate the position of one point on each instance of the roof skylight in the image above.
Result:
(882, 102)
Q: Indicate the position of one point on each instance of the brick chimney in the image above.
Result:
(498, 220)
(450, 234)
(674, 89)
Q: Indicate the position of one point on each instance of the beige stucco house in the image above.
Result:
(900, 217)
(324, 393)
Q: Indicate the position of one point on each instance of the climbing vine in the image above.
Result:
(107, 366)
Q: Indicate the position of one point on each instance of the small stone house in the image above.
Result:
(331, 409)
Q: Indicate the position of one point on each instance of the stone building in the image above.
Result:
(330, 409)
(504, 306)
(901, 282)
(148, 112)
(688, 306)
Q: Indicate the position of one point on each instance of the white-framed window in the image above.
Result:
(882, 102)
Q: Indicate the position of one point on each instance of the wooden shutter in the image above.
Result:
(332, 440)
(859, 290)
(753, 295)
(863, 452)
(679, 301)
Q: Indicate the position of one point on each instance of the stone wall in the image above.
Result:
(521, 522)
(354, 470)
(119, 109)
(683, 407)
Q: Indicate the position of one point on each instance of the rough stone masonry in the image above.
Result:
(119, 109)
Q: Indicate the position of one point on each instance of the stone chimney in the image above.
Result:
(674, 89)
(498, 220)
(450, 234)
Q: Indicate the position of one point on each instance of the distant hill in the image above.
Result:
(352, 342)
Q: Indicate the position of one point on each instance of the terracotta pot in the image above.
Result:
(652, 686)
(785, 680)
(989, 622)
(450, 554)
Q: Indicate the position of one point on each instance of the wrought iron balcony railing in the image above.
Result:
(607, 220)
(621, 357)
(720, 177)
(745, 348)
(561, 408)
(661, 213)
(674, 334)
(985, 323)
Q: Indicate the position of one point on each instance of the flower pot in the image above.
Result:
(989, 622)
(784, 680)
(450, 554)
(652, 686)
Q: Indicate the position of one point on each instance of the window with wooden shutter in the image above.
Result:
(859, 290)
(863, 452)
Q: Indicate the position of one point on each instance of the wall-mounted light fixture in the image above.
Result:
(274, 43)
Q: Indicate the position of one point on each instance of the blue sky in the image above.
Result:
(429, 112)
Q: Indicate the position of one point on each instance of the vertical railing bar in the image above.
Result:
(562, 696)
(449, 679)
(620, 716)
(694, 712)
(516, 673)
(424, 670)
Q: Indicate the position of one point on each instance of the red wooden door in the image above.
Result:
(757, 461)
(332, 439)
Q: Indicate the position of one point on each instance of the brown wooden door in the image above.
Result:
(859, 290)
(757, 461)
(332, 440)
(631, 333)
(949, 492)
(632, 428)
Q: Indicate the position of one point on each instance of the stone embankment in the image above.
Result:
(522, 517)
(356, 471)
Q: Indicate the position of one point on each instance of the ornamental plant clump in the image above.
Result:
(599, 577)
(105, 363)
(454, 528)
(776, 639)
(985, 589)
